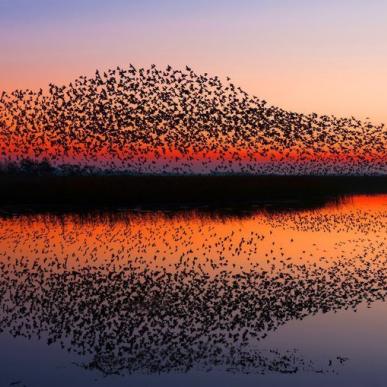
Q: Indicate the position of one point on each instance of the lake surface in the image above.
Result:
(260, 297)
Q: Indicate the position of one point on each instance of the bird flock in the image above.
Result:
(147, 121)
(157, 292)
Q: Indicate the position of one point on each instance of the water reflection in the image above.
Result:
(155, 293)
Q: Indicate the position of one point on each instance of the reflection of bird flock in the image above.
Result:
(172, 121)
(203, 294)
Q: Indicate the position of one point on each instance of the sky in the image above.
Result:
(322, 56)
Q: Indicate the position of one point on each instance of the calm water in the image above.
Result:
(190, 298)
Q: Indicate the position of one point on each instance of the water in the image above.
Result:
(135, 298)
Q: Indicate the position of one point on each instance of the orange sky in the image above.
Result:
(323, 56)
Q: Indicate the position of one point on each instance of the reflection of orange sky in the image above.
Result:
(319, 236)
(369, 202)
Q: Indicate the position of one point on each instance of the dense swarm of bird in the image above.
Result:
(177, 121)
(154, 293)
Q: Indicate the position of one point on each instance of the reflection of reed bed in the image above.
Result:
(211, 193)
(141, 319)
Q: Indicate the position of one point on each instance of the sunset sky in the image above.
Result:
(324, 56)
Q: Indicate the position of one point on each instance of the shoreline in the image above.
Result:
(83, 193)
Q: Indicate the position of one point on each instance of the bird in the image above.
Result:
(159, 292)
(171, 121)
